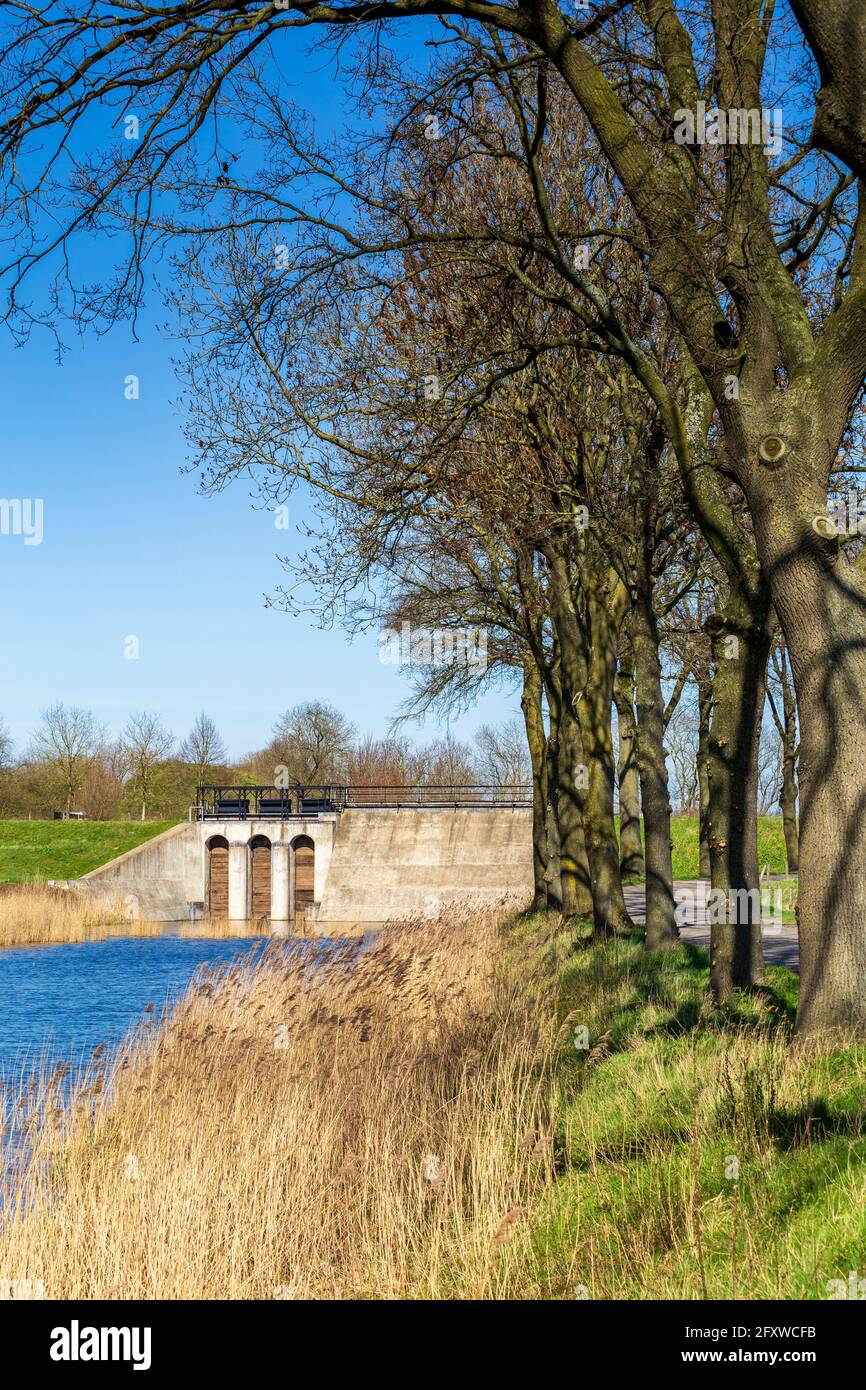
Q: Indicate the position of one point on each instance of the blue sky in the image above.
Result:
(130, 549)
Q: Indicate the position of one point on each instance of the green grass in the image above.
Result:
(686, 851)
(782, 891)
(33, 851)
(668, 1103)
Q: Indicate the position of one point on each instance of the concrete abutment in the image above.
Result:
(368, 866)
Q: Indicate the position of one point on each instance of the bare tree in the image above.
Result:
(203, 747)
(769, 772)
(381, 762)
(146, 743)
(67, 740)
(681, 738)
(103, 786)
(311, 745)
(6, 761)
(446, 762)
(501, 757)
(5, 746)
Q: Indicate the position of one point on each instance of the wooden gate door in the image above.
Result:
(218, 877)
(260, 855)
(304, 877)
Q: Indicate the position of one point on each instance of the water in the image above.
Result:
(60, 1002)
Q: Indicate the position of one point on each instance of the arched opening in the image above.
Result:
(304, 876)
(260, 877)
(218, 876)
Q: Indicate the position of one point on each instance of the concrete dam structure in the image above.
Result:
(335, 871)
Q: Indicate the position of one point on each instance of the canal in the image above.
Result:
(59, 1002)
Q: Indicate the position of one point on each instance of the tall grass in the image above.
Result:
(30, 915)
(33, 916)
(417, 1117)
(702, 1154)
(367, 1122)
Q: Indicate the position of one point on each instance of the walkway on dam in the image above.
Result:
(780, 942)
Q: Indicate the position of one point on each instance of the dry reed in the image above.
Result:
(31, 915)
(367, 1120)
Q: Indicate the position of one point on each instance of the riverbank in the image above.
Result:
(33, 915)
(425, 1117)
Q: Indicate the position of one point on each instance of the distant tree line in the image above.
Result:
(72, 763)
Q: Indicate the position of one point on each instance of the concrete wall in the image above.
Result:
(370, 866)
(162, 878)
(157, 880)
(390, 865)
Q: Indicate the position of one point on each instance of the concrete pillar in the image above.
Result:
(280, 880)
(238, 874)
(323, 839)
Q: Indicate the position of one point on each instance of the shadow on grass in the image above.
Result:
(677, 982)
(812, 1123)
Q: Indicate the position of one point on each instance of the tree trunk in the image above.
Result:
(551, 818)
(788, 794)
(741, 644)
(836, 33)
(821, 603)
(536, 738)
(740, 636)
(631, 855)
(584, 807)
(554, 867)
(610, 915)
(574, 869)
(788, 804)
(705, 704)
(661, 926)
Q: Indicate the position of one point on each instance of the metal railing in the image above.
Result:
(280, 803)
(425, 794)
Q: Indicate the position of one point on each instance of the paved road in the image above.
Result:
(780, 942)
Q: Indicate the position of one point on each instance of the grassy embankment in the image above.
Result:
(418, 1121)
(32, 851)
(687, 853)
